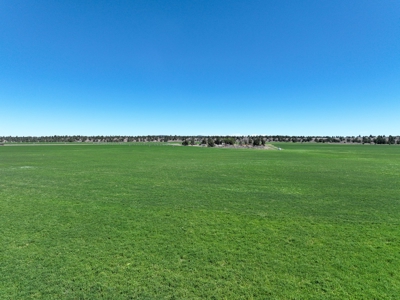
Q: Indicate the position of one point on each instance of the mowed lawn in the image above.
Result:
(163, 222)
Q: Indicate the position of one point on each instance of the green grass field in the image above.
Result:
(151, 222)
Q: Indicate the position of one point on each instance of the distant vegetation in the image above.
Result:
(210, 141)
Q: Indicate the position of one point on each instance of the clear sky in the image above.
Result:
(199, 67)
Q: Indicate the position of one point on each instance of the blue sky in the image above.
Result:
(199, 67)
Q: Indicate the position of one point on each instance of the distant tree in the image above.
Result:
(380, 140)
(229, 141)
(210, 142)
(185, 143)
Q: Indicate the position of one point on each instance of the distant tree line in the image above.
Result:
(210, 141)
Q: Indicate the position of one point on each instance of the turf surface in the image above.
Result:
(162, 222)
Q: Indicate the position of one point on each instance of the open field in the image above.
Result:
(118, 222)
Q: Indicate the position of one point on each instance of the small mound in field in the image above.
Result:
(266, 147)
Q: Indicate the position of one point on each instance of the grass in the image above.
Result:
(139, 222)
